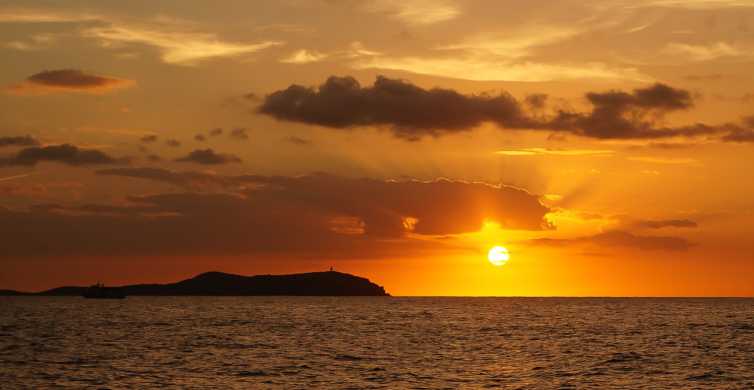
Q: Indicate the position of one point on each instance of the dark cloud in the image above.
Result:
(315, 215)
(196, 181)
(24, 140)
(209, 157)
(200, 137)
(378, 201)
(742, 134)
(298, 141)
(536, 101)
(148, 138)
(216, 132)
(622, 115)
(411, 112)
(668, 146)
(239, 133)
(154, 158)
(173, 143)
(66, 154)
(665, 223)
(68, 80)
(618, 238)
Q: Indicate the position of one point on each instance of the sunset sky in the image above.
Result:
(607, 144)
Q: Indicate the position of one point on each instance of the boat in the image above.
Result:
(99, 291)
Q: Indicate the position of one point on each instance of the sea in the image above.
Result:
(376, 343)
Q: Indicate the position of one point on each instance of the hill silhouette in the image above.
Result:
(329, 283)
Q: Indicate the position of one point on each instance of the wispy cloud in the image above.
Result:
(695, 4)
(304, 56)
(417, 12)
(34, 42)
(517, 43)
(665, 160)
(554, 152)
(177, 43)
(703, 52)
(481, 68)
(354, 51)
(15, 177)
(21, 15)
(185, 48)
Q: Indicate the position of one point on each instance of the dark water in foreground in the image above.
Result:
(286, 342)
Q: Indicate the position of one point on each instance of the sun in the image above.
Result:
(498, 255)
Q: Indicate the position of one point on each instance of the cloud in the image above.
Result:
(176, 47)
(35, 42)
(239, 133)
(508, 56)
(618, 238)
(67, 80)
(665, 160)
(24, 140)
(697, 4)
(341, 102)
(703, 52)
(555, 152)
(743, 134)
(21, 15)
(200, 137)
(354, 51)
(215, 132)
(176, 44)
(65, 154)
(705, 77)
(315, 215)
(618, 114)
(298, 141)
(476, 67)
(173, 143)
(411, 112)
(512, 207)
(304, 56)
(665, 223)
(196, 181)
(416, 12)
(148, 138)
(14, 177)
(209, 157)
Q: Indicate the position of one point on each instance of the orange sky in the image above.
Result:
(604, 143)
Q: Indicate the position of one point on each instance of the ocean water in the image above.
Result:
(371, 342)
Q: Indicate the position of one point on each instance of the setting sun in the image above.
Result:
(498, 256)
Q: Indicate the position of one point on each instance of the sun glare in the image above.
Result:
(498, 256)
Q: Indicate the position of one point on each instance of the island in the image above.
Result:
(329, 283)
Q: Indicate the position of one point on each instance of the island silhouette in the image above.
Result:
(329, 283)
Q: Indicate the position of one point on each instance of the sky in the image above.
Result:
(606, 144)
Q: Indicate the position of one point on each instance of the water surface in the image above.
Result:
(375, 342)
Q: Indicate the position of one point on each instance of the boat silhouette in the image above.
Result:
(99, 291)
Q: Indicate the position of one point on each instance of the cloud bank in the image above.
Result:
(24, 140)
(411, 112)
(316, 215)
(65, 154)
(67, 80)
(209, 157)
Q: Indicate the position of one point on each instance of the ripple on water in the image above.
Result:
(286, 342)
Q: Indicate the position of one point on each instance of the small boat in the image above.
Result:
(99, 291)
